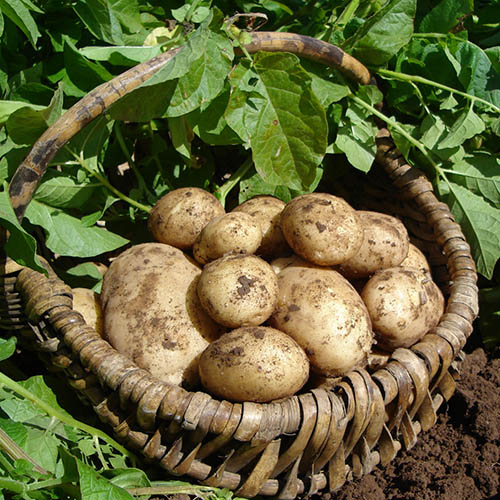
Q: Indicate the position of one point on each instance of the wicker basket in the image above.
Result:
(308, 443)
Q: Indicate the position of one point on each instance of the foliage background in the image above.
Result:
(207, 119)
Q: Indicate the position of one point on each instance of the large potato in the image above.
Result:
(404, 304)
(254, 364)
(180, 215)
(322, 228)
(385, 244)
(267, 210)
(238, 290)
(236, 232)
(152, 313)
(326, 316)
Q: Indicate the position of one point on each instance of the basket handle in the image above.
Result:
(29, 173)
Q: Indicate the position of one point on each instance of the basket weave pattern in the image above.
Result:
(304, 444)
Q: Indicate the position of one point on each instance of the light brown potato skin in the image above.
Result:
(267, 210)
(88, 304)
(236, 232)
(238, 290)
(152, 313)
(292, 261)
(322, 228)
(416, 259)
(178, 217)
(385, 244)
(404, 304)
(256, 363)
(326, 316)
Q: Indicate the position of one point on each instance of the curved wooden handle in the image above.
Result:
(27, 176)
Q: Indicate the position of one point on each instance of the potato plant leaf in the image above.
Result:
(20, 15)
(274, 109)
(7, 347)
(467, 125)
(445, 15)
(66, 235)
(480, 173)
(382, 35)
(481, 225)
(95, 487)
(121, 55)
(190, 80)
(20, 245)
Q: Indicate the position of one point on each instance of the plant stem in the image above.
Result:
(107, 184)
(222, 192)
(12, 485)
(420, 79)
(15, 452)
(62, 416)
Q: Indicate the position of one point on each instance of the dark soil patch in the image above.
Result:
(459, 458)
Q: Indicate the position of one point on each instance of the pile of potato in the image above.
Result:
(253, 301)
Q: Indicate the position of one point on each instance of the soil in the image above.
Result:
(459, 457)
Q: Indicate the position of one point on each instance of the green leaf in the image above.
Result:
(449, 103)
(480, 223)
(385, 33)
(431, 128)
(26, 124)
(61, 191)
(42, 447)
(210, 124)
(190, 80)
(66, 235)
(128, 478)
(480, 173)
(20, 246)
(489, 319)
(476, 72)
(328, 92)
(100, 19)
(16, 430)
(445, 15)
(122, 55)
(181, 136)
(19, 410)
(95, 487)
(7, 347)
(467, 125)
(281, 118)
(82, 73)
(17, 12)
(356, 138)
(7, 108)
(493, 54)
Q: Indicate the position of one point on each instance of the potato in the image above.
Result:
(326, 316)
(152, 313)
(238, 290)
(255, 363)
(267, 210)
(178, 217)
(322, 228)
(87, 303)
(416, 259)
(404, 304)
(293, 260)
(385, 244)
(235, 232)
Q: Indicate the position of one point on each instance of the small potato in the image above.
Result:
(322, 228)
(180, 215)
(404, 304)
(267, 210)
(87, 303)
(416, 259)
(326, 316)
(238, 290)
(385, 244)
(152, 313)
(256, 363)
(236, 232)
